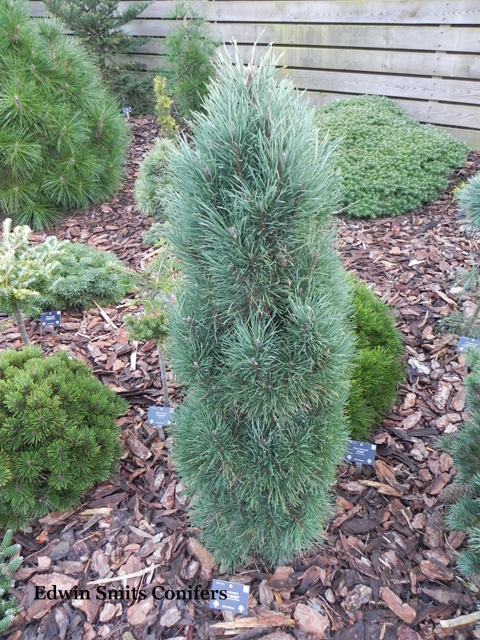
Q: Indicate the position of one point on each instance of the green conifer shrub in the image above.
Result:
(464, 447)
(152, 185)
(85, 275)
(62, 139)
(389, 162)
(99, 26)
(10, 561)
(377, 367)
(260, 333)
(189, 51)
(58, 435)
(25, 271)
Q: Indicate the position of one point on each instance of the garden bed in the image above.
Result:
(387, 569)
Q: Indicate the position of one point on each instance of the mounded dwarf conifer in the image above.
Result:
(58, 435)
(261, 333)
(62, 138)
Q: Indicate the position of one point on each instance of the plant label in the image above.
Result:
(361, 452)
(465, 343)
(236, 600)
(50, 318)
(160, 416)
(126, 112)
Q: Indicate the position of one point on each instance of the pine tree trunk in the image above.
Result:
(21, 324)
(163, 375)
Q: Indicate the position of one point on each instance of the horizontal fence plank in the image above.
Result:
(472, 138)
(461, 91)
(427, 112)
(452, 39)
(398, 62)
(318, 11)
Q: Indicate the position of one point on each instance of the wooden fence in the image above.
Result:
(423, 53)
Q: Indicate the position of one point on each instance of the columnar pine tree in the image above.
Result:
(260, 334)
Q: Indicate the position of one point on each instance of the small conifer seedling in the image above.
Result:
(155, 288)
(58, 435)
(261, 332)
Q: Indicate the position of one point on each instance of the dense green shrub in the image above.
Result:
(189, 51)
(84, 275)
(58, 435)
(377, 367)
(99, 26)
(152, 184)
(62, 139)
(464, 447)
(10, 561)
(389, 163)
(260, 334)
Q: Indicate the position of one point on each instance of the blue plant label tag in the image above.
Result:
(230, 596)
(50, 318)
(160, 416)
(465, 343)
(126, 112)
(361, 452)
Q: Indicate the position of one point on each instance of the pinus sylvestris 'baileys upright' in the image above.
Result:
(261, 332)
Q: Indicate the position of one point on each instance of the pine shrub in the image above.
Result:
(99, 26)
(389, 162)
(464, 447)
(10, 561)
(58, 435)
(260, 334)
(85, 275)
(377, 366)
(152, 184)
(62, 139)
(189, 54)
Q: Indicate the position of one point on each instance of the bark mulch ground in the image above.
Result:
(387, 569)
